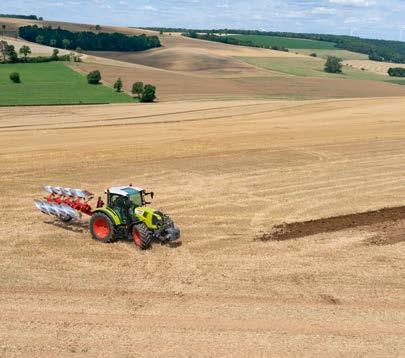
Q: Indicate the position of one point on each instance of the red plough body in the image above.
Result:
(75, 203)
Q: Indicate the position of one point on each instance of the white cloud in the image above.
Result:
(323, 11)
(149, 8)
(353, 2)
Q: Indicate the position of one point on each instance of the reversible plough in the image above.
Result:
(124, 214)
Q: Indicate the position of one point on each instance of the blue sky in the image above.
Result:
(367, 18)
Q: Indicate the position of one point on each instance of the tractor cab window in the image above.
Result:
(136, 199)
(117, 201)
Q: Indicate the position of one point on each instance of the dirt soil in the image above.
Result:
(227, 172)
(390, 221)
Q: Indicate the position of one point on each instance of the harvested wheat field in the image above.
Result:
(259, 272)
(373, 66)
(174, 86)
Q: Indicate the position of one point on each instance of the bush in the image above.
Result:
(118, 85)
(396, 72)
(15, 77)
(313, 54)
(64, 58)
(374, 57)
(148, 94)
(333, 65)
(276, 48)
(54, 56)
(94, 77)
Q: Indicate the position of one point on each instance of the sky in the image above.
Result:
(366, 18)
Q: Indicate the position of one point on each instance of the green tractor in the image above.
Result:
(125, 215)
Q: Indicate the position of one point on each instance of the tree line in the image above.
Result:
(87, 40)
(145, 93)
(8, 54)
(377, 50)
(230, 40)
(27, 17)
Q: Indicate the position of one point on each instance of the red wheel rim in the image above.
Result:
(137, 238)
(101, 228)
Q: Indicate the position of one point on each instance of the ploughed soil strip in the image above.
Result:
(395, 216)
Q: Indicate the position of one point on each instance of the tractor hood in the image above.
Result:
(160, 223)
(149, 216)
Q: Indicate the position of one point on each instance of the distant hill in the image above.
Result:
(377, 50)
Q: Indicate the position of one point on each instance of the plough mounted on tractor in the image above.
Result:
(124, 215)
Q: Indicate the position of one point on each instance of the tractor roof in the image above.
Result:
(125, 190)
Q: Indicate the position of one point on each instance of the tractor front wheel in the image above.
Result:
(102, 228)
(142, 236)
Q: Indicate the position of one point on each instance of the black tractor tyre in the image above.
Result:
(142, 236)
(102, 228)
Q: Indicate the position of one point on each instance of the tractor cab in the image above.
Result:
(124, 200)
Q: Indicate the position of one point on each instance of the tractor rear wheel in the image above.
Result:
(102, 228)
(142, 236)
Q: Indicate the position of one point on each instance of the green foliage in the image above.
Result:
(15, 77)
(25, 50)
(27, 17)
(148, 94)
(374, 57)
(94, 77)
(11, 54)
(118, 85)
(78, 50)
(52, 42)
(282, 42)
(313, 54)
(39, 39)
(52, 83)
(66, 43)
(333, 65)
(54, 56)
(137, 88)
(88, 41)
(396, 72)
(98, 27)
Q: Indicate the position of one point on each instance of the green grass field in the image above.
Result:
(52, 83)
(262, 40)
(309, 67)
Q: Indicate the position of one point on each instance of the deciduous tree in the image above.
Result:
(25, 50)
(333, 65)
(137, 88)
(94, 77)
(118, 85)
(148, 94)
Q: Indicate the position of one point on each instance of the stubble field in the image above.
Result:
(227, 172)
